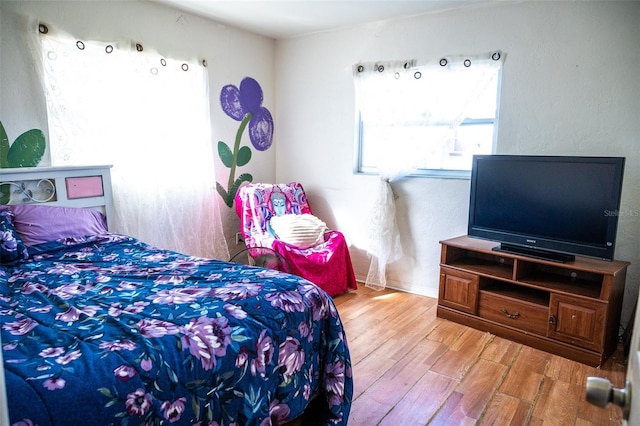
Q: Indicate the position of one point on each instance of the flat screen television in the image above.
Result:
(548, 207)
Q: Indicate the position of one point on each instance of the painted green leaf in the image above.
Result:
(4, 147)
(5, 194)
(228, 197)
(245, 177)
(225, 154)
(223, 193)
(228, 200)
(27, 150)
(244, 155)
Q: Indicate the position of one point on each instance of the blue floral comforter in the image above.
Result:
(108, 330)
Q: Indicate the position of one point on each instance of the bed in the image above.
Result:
(99, 328)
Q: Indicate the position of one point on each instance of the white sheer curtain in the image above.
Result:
(399, 95)
(123, 104)
(373, 83)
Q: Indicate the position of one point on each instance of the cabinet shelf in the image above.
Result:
(480, 263)
(550, 282)
(571, 309)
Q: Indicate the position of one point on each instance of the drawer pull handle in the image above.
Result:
(512, 316)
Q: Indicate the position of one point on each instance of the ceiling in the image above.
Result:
(280, 19)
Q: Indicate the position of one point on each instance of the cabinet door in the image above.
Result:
(577, 321)
(458, 290)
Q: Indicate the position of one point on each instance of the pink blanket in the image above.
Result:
(327, 264)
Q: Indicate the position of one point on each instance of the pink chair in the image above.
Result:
(327, 263)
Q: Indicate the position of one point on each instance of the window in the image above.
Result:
(427, 120)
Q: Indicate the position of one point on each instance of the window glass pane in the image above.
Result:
(434, 123)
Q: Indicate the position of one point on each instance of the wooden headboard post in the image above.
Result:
(68, 186)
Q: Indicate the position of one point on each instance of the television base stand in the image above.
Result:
(569, 309)
(535, 253)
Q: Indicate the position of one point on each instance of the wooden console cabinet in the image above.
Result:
(570, 309)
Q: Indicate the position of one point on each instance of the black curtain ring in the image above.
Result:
(139, 47)
(43, 29)
(495, 56)
(407, 65)
(108, 48)
(204, 63)
(467, 63)
(380, 68)
(417, 75)
(360, 68)
(163, 62)
(443, 62)
(185, 67)
(80, 45)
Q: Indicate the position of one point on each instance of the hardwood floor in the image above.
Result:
(412, 368)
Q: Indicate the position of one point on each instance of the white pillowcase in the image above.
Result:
(300, 230)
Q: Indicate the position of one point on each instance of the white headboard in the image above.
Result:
(69, 186)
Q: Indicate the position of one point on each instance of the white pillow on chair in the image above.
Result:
(300, 230)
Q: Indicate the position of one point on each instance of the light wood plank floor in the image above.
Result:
(412, 368)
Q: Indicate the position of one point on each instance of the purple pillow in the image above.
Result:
(39, 223)
(11, 246)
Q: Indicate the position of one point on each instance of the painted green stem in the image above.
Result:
(236, 149)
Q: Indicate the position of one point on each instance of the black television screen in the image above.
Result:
(551, 207)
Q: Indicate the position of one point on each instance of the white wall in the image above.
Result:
(231, 55)
(569, 86)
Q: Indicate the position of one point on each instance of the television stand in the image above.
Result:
(570, 309)
(535, 253)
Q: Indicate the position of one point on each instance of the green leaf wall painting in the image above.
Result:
(243, 104)
(26, 151)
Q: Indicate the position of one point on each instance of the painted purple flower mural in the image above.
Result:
(243, 104)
